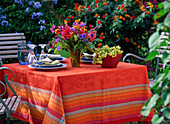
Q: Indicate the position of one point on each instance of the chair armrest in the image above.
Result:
(4, 88)
(6, 79)
(133, 55)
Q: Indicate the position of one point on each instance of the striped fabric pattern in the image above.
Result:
(85, 95)
(32, 109)
(101, 104)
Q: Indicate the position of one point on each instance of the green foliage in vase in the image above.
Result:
(75, 37)
(104, 51)
(160, 100)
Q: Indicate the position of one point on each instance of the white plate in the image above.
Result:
(60, 59)
(86, 60)
(54, 55)
(46, 67)
(89, 55)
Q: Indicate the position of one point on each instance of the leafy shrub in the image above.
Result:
(30, 17)
(160, 100)
(34, 18)
(127, 24)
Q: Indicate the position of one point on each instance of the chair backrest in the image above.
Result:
(162, 49)
(8, 44)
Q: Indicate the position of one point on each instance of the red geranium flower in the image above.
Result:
(90, 10)
(138, 46)
(99, 45)
(123, 19)
(97, 1)
(132, 17)
(104, 16)
(88, 6)
(126, 39)
(90, 25)
(148, 12)
(105, 4)
(98, 22)
(72, 17)
(122, 5)
(101, 37)
(124, 9)
(76, 4)
(102, 33)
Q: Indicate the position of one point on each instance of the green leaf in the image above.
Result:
(156, 119)
(151, 55)
(56, 51)
(159, 14)
(168, 76)
(167, 112)
(166, 6)
(147, 108)
(155, 85)
(160, 5)
(163, 43)
(64, 53)
(145, 111)
(166, 97)
(165, 58)
(165, 82)
(159, 103)
(167, 20)
(166, 71)
(153, 40)
(159, 77)
(76, 37)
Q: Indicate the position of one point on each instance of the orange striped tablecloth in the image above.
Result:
(87, 94)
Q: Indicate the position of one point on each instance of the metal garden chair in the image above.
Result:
(10, 104)
(163, 49)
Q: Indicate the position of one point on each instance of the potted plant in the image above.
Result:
(107, 56)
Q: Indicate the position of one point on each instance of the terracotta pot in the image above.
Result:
(111, 62)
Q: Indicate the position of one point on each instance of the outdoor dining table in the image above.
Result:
(87, 94)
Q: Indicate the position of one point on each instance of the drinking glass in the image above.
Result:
(43, 55)
(37, 52)
(23, 51)
(31, 55)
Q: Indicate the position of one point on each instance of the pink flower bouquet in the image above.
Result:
(73, 38)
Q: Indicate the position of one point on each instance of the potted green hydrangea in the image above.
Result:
(107, 56)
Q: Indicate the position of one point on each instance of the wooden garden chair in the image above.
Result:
(163, 49)
(10, 104)
(8, 45)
